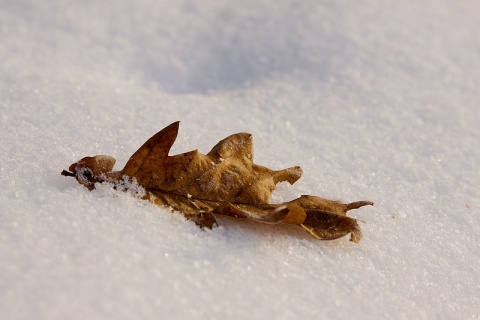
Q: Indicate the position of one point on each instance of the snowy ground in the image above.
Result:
(376, 100)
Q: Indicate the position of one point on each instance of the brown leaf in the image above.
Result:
(224, 181)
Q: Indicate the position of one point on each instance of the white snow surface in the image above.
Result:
(376, 100)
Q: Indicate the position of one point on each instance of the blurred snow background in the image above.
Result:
(376, 100)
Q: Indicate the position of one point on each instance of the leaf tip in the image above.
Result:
(358, 204)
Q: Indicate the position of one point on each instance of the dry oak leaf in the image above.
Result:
(225, 181)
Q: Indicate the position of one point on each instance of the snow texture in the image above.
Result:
(376, 100)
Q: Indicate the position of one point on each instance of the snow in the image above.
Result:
(376, 100)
